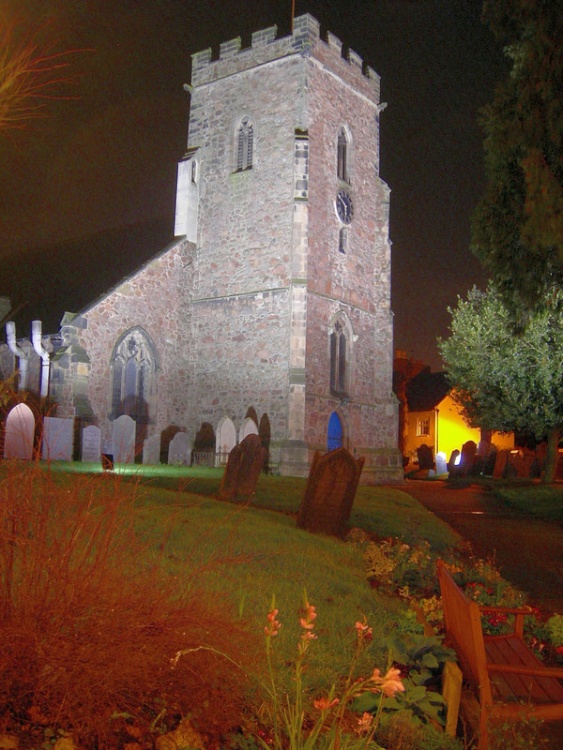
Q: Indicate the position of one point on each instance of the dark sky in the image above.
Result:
(103, 165)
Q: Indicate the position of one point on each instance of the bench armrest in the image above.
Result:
(519, 613)
(556, 672)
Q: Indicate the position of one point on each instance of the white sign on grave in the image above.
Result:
(58, 439)
(20, 430)
(91, 444)
(124, 440)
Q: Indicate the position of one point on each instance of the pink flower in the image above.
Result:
(308, 616)
(273, 626)
(363, 631)
(324, 704)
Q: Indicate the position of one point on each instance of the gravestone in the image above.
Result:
(58, 439)
(330, 492)
(453, 466)
(91, 444)
(179, 450)
(468, 451)
(19, 433)
(441, 464)
(490, 461)
(425, 457)
(243, 469)
(151, 450)
(500, 464)
(124, 440)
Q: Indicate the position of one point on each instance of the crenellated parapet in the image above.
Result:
(266, 47)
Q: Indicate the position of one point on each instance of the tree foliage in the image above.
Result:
(505, 381)
(517, 229)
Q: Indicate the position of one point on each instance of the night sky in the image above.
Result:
(88, 192)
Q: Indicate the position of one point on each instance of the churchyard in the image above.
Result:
(140, 611)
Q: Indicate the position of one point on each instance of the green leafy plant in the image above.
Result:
(328, 728)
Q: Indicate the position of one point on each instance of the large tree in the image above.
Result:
(506, 381)
(517, 229)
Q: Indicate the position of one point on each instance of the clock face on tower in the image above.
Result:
(344, 207)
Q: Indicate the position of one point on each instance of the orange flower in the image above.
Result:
(324, 704)
(364, 723)
(390, 683)
(363, 630)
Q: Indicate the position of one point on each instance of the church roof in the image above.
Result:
(426, 390)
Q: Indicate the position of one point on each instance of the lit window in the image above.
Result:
(423, 427)
(244, 145)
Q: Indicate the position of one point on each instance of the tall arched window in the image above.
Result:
(340, 354)
(244, 145)
(343, 156)
(133, 368)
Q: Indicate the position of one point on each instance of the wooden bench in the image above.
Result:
(509, 681)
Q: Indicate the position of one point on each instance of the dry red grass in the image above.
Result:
(90, 621)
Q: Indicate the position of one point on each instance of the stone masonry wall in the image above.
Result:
(156, 298)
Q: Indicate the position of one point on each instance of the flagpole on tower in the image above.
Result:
(292, 13)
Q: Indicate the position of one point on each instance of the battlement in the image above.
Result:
(305, 40)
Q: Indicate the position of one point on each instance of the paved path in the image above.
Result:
(528, 552)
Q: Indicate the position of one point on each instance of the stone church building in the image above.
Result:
(271, 310)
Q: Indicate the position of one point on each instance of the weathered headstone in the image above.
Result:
(58, 439)
(151, 450)
(124, 440)
(453, 463)
(490, 461)
(179, 450)
(243, 469)
(19, 433)
(441, 464)
(500, 464)
(330, 492)
(425, 457)
(226, 440)
(91, 444)
(468, 451)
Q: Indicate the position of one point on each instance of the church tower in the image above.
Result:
(280, 193)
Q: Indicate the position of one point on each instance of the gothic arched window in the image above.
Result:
(244, 144)
(133, 369)
(343, 156)
(340, 351)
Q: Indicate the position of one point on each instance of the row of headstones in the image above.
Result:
(58, 439)
(524, 464)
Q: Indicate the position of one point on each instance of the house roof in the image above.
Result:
(426, 390)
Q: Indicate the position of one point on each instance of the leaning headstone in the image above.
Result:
(91, 444)
(500, 464)
(151, 450)
(124, 440)
(425, 457)
(58, 439)
(179, 450)
(243, 469)
(490, 461)
(330, 492)
(19, 433)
